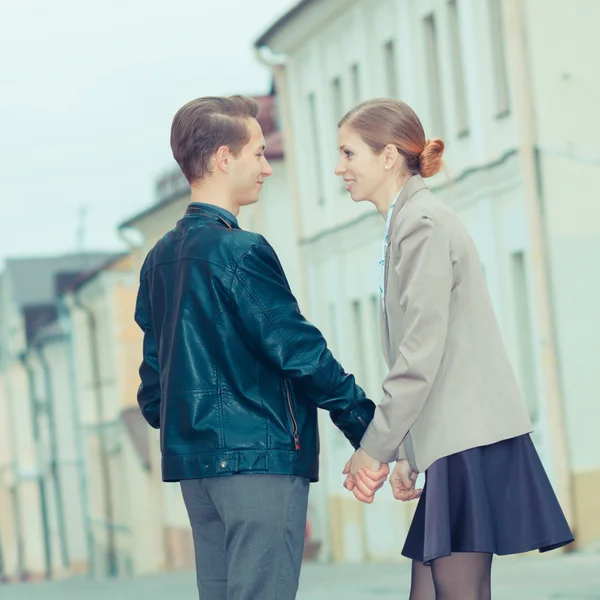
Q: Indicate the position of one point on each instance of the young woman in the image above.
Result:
(452, 407)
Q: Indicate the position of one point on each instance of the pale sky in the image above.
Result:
(87, 94)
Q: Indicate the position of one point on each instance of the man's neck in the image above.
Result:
(208, 194)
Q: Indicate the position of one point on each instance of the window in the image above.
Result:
(523, 328)
(499, 59)
(355, 79)
(391, 79)
(336, 96)
(433, 73)
(316, 144)
(457, 66)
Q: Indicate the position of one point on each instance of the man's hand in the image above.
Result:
(403, 480)
(364, 476)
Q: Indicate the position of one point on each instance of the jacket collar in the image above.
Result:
(415, 184)
(212, 212)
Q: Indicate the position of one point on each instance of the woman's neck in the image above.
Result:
(387, 194)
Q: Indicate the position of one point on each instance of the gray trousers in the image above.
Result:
(248, 535)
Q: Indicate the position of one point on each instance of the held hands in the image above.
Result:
(361, 484)
(365, 475)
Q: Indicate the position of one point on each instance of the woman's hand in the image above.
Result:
(403, 480)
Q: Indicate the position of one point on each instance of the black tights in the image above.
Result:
(460, 576)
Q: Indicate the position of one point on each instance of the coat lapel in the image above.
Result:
(411, 187)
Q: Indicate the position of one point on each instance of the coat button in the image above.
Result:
(223, 464)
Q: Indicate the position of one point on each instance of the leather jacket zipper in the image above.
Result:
(294, 422)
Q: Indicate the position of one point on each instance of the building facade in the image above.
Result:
(480, 77)
(42, 524)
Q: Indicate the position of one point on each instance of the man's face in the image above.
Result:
(250, 168)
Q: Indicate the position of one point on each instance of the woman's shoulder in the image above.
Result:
(423, 208)
(427, 205)
(426, 214)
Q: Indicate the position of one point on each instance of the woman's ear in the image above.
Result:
(390, 156)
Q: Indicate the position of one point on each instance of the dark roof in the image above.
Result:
(37, 317)
(264, 39)
(37, 281)
(75, 283)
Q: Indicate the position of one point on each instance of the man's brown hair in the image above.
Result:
(203, 125)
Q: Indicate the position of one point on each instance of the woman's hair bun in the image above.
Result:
(430, 159)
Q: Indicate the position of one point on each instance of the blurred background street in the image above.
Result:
(564, 578)
(88, 185)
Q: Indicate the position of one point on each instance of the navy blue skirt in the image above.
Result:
(495, 499)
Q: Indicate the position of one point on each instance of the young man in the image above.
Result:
(232, 372)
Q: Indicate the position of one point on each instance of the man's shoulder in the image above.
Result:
(157, 252)
(229, 246)
(245, 242)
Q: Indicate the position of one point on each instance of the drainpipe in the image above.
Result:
(67, 327)
(14, 487)
(276, 63)
(540, 268)
(111, 552)
(33, 404)
(60, 511)
(2, 565)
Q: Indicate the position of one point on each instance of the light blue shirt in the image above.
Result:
(384, 246)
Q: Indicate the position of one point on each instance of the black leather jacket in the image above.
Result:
(232, 373)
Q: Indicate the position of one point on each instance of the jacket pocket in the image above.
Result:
(290, 404)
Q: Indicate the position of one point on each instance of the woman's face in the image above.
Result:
(364, 172)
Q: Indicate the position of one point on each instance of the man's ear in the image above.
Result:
(223, 159)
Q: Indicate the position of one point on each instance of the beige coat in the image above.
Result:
(450, 386)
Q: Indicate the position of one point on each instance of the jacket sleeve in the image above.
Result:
(270, 316)
(148, 395)
(424, 275)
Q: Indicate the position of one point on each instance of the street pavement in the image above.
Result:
(557, 577)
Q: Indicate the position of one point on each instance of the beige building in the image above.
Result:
(80, 487)
(42, 520)
(508, 86)
(124, 499)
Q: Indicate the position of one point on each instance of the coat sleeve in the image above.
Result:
(269, 314)
(424, 276)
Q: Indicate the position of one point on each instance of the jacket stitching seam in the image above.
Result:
(242, 280)
(170, 262)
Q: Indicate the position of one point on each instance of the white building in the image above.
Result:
(511, 91)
